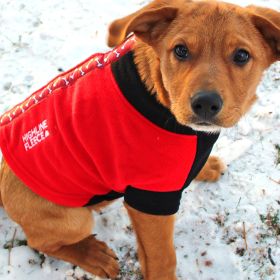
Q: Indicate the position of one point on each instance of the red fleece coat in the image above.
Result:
(79, 137)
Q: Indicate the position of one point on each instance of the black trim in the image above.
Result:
(134, 90)
(205, 143)
(100, 198)
(155, 203)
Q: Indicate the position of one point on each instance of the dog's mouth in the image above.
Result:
(201, 124)
(205, 125)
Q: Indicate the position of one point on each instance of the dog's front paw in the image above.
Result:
(212, 170)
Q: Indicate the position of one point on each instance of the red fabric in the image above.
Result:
(83, 138)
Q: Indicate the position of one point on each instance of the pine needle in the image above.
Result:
(11, 246)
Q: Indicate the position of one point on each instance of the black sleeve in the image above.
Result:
(155, 203)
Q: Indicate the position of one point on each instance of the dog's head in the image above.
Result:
(210, 56)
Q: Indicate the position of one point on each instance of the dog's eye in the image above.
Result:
(181, 52)
(241, 57)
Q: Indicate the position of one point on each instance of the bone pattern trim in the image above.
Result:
(65, 80)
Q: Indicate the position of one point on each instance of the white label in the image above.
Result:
(36, 135)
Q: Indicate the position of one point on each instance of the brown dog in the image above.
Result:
(203, 61)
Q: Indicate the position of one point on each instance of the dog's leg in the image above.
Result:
(61, 232)
(156, 250)
(212, 170)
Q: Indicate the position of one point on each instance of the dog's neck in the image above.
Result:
(148, 66)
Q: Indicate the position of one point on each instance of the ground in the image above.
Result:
(227, 230)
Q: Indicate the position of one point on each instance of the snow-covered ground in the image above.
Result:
(228, 230)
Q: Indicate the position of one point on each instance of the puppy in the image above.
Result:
(139, 122)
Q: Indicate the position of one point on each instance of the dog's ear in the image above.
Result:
(147, 23)
(267, 21)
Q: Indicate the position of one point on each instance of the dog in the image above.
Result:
(140, 122)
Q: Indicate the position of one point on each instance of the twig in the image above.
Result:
(238, 202)
(245, 236)
(277, 182)
(270, 257)
(260, 268)
(203, 208)
(11, 246)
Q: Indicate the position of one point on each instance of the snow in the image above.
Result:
(36, 39)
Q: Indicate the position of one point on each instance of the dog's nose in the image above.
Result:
(206, 105)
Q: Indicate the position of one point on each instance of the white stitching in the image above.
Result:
(66, 81)
(99, 64)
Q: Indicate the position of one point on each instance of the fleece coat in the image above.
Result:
(95, 133)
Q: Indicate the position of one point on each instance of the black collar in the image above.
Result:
(134, 90)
